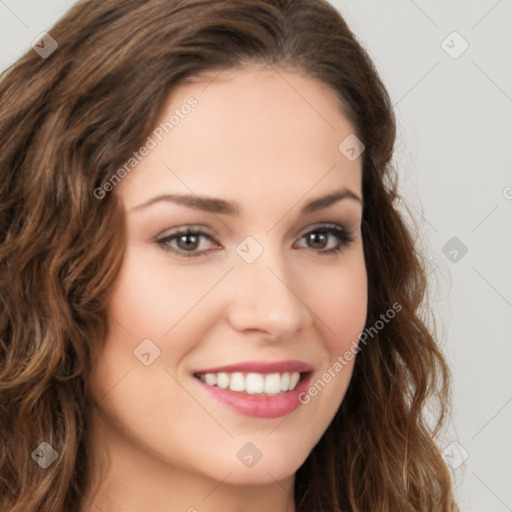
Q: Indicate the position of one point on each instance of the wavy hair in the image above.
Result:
(67, 122)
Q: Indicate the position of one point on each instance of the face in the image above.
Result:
(262, 278)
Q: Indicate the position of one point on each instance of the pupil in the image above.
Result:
(314, 238)
(186, 240)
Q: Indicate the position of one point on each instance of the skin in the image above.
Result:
(272, 148)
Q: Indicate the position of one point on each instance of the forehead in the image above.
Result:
(257, 131)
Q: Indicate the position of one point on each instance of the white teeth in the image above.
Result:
(210, 379)
(294, 378)
(285, 382)
(273, 384)
(237, 382)
(253, 383)
(222, 380)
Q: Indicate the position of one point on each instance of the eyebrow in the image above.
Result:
(221, 206)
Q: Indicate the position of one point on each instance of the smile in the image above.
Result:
(252, 383)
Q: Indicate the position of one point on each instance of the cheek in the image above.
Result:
(154, 296)
(341, 303)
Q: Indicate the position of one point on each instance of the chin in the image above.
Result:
(274, 464)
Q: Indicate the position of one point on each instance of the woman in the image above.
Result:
(209, 298)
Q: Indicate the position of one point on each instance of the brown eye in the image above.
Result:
(318, 238)
(189, 241)
(185, 242)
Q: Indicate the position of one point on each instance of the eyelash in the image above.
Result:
(344, 237)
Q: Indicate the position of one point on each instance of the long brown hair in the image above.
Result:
(67, 122)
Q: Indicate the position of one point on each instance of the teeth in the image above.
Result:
(236, 383)
(222, 380)
(210, 379)
(285, 381)
(272, 384)
(294, 378)
(253, 383)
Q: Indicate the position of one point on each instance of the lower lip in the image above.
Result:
(259, 406)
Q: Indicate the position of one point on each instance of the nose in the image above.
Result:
(269, 298)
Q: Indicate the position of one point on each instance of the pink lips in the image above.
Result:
(261, 367)
(261, 406)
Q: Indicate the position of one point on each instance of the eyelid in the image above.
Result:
(321, 225)
(185, 228)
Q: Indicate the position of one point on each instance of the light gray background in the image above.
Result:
(453, 155)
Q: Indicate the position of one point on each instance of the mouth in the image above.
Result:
(252, 383)
(259, 389)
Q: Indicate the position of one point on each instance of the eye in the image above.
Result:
(319, 237)
(187, 242)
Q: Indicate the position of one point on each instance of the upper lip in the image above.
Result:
(261, 367)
